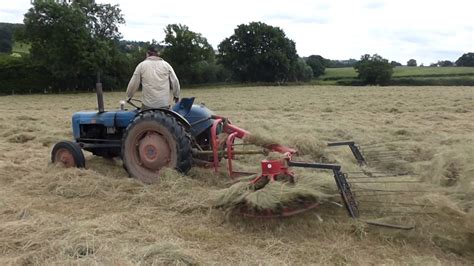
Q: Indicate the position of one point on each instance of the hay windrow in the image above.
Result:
(260, 140)
(273, 196)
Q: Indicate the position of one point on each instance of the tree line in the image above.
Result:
(70, 43)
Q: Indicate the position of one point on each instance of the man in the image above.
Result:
(155, 75)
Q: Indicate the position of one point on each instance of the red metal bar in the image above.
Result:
(230, 151)
(215, 144)
(241, 133)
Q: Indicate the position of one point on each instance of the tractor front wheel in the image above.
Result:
(68, 154)
(155, 140)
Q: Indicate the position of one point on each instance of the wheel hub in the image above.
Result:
(153, 151)
(65, 157)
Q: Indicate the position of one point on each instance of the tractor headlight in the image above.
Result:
(122, 105)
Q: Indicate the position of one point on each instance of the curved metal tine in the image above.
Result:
(372, 154)
(378, 172)
(394, 175)
(385, 182)
(387, 194)
(394, 212)
(375, 144)
(363, 190)
(395, 203)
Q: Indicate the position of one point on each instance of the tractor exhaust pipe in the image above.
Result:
(100, 94)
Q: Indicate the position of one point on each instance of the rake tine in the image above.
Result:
(375, 177)
(362, 190)
(378, 172)
(391, 212)
(385, 157)
(374, 145)
(399, 203)
(378, 194)
(388, 151)
(388, 154)
(395, 156)
(384, 175)
(384, 182)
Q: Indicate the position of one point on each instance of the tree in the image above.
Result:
(258, 52)
(374, 70)
(412, 62)
(301, 71)
(466, 59)
(5, 40)
(445, 63)
(191, 56)
(318, 64)
(74, 41)
(395, 63)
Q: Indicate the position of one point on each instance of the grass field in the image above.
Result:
(406, 76)
(398, 72)
(50, 215)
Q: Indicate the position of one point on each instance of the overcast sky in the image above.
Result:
(398, 30)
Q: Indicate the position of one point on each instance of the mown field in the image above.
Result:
(50, 215)
(407, 75)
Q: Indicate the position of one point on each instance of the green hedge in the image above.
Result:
(19, 75)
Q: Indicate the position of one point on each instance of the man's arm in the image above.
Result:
(174, 83)
(134, 83)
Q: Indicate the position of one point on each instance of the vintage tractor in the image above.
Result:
(187, 134)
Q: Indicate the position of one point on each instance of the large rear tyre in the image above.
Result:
(155, 140)
(68, 154)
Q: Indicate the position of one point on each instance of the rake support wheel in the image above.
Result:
(68, 154)
(155, 140)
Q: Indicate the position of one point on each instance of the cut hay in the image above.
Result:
(259, 140)
(166, 254)
(273, 196)
(309, 145)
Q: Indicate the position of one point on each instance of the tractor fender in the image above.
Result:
(178, 117)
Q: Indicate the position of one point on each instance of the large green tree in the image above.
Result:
(73, 41)
(411, 62)
(191, 56)
(258, 52)
(374, 70)
(318, 64)
(466, 59)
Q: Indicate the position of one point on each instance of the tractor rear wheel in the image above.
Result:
(155, 140)
(68, 154)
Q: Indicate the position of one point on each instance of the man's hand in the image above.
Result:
(176, 99)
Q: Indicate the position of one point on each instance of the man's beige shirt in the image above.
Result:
(155, 75)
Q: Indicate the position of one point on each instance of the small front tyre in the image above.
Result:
(68, 154)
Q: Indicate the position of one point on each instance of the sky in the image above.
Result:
(399, 30)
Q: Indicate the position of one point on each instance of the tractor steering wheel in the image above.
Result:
(129, 101)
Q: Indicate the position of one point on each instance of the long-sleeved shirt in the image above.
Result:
(155, 75)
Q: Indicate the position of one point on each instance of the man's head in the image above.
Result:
(152, 51)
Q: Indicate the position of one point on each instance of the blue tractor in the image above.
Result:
(146, 140)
